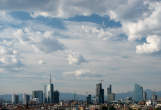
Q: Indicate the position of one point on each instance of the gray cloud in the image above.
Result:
(76, 58)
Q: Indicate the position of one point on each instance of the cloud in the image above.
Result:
(150, 24)
(76, 58)
(44, 41)
(50, 45)
(146, 27)
(61, 8)
(87, 30)
(10, 59)
(82, 74)
(77, 73)
(41, 62)
(153, 44)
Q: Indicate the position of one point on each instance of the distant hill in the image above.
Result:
(70, 96)
(130, 94)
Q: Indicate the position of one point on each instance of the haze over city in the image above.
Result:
(80, 42)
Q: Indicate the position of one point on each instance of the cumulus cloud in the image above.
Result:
(153, 44)
(86, 30)
(9, 59)
(62, 8)
(44, 41)
(150, 24)
(76, 58)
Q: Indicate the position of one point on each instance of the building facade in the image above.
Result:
(56, 97)
(138, 93)
(89, 99)
(110, 95)
(99, 94)
(15, 99)
(49, 92)
(38, 94)
(26, 99)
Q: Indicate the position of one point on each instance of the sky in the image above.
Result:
(80, 42)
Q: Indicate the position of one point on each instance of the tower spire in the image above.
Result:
(50, 78)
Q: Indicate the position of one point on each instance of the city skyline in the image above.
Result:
(81, 43)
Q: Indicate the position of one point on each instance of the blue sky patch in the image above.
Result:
(105, 21)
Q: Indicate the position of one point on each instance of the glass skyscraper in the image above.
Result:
(138, 93)
(99, 93)
(110, 95)
(49, 92)
(38, 94)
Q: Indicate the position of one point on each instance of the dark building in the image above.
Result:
(110, 95)
(38, 94)
(15, 99)
(109, 89)
(89, 99)
(26, 99)
(99, 93)
(145, 95)
(56, 96)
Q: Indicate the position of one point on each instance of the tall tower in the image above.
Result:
(110, 95)
(138, 93)
(49, 91)
(99, 93)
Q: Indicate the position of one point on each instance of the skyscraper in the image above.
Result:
(26, 99)
(110, 95)
(89, 99)
(145, 95)
(15, 99)
(99, 93)
(56, 96)
(138, 93)
(109, 89)
(38, 94)
(49, 92)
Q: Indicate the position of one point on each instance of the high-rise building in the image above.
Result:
(89, 99)
(109, 89)
(145, 95)
(154, 97)
(99, 93)
(56, 96)
(26, 99)
(38, 94)
(49, 92)
(15, 99)
(110, 95)
(138, 93)
(45, 94)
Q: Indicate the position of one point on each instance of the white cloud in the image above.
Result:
(41, 62)
(75, 58)
(92, 31)
(9, 58)
(44, 41)
(150, 24)
(153, 44)
(77, 73)
(62, 8)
